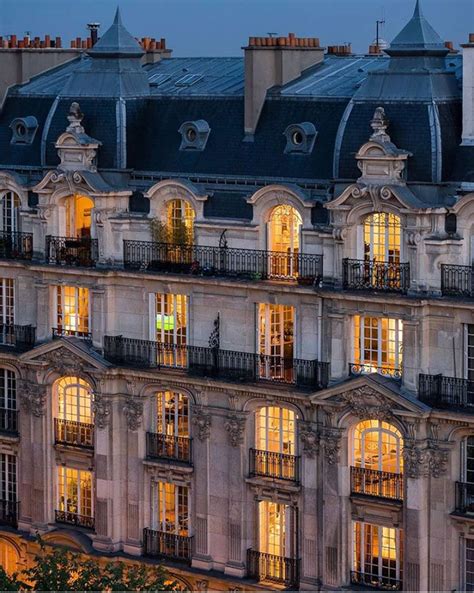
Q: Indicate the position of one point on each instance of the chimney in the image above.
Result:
(94, 32)
(274, 61)
(340, 50)
(468, 92)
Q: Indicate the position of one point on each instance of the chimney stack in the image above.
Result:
(468, 92)
(274, 61)
(94, 32)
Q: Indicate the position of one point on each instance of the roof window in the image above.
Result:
(194, 135)
(24, 130)
(188, 80)
(300, 138)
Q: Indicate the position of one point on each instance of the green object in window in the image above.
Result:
(164, 322)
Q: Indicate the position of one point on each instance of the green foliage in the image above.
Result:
(177, 234)
(9, 583)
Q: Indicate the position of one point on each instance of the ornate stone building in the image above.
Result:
(237, 319)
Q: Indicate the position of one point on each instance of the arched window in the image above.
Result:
(382, 238)
(378, 446)
(180, 222)
(9, 558)
(10, 212)
(284, 231)
(74, 400)
(172, 414)
(79, 216)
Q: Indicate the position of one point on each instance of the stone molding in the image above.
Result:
(235, 426)
(202, 421)
(32, 397)
(133, 410)
(101, 408)
(309, 438)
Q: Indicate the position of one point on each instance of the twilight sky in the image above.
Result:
(221, 27)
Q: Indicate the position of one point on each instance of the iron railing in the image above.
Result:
(446, 392)
(376, 581)
(373, 482)
(358, 274)
(245, 264)
(62, 332)
(367, 368)
(464, 497)
(82, 252)
(162, 544)
(76, 519)
(270, 568)
(165, 446)
(14, 245)
(9, 512)
(8, 421)
(457, 280)
(274, 465)
(77, 434)
(19, 337)
(215, 363)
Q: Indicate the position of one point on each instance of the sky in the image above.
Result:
(222, 27)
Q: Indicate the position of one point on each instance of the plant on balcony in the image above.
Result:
(178, 234)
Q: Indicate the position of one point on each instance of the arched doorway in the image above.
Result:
(284, 239)
(9, 557)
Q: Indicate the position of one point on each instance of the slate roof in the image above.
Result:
(417, 35)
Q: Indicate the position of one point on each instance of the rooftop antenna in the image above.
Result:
(270, 34)
(379, 23)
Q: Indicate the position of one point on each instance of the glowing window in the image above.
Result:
(74, 400)
(73, 309)
(9, 558)
(382, 238)
(275, 430)
(171, 319)
(378, 446)
(170, 508)
(284, 239)
(78, 216)
(276, 340)
(75, 491)
(172, 416)
(10, 212)
(378, 345)
(273, 530)
(180, 222)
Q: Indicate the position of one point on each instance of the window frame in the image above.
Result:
(159, 521)
(82, 325)
(365, 362)
(62, 480)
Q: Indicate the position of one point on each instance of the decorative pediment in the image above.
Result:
(64, 357)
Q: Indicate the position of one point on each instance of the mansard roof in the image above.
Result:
(117, 42)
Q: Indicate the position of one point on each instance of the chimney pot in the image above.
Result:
(471, 37)
(281, 41)
(163, 43)
(58, 42)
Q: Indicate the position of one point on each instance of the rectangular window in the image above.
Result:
(8, 478)
(276, 341)
(378, 345)
(72, 310)
(377, 556)
(75, 491)
(170, 508)
(169, 327)
(469, 350)
(469, 565)
(7, 390)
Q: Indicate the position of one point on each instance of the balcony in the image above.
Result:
(81, 252)
(15, 245)
(9, 421)
(218, 364)
(275, 569)
(241, 264)
(446, 392)
(168, 447)
(9, 512)
(69, 518)
(368, 368)
(370, 482)
(274, 465)
(457, 281)
(375, 581)
(75, 434)
(358, 274)
(62, 332)
(464, 498)
(160, 544)
(18, 337)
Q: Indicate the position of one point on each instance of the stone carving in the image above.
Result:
(365, 402)
(424, 458)
(101, 408)
(133, 410)
(379, 125)
(202, 585)
(310, 439)
(32, 397)
(235, 426)
(64, 361)
(376, 193)
(202, 421)
(75, 118)
(331, 442)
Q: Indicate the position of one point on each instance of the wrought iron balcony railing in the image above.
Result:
(62, 332)
(446, 392)
(165, 446)
(464, 497)
(82, 252)
(9, 421)
(457, 280)
(376, 581)
(71, 518)
(245, 264)
(161, 544)
(76, 434)
(372, 482)
(14, 245)
(9, 512)
(18, 337)
(359, 274)
(215, 363)
(274, 465)
(367, 368)
(270, 568)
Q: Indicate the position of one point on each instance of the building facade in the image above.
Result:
(237, 319)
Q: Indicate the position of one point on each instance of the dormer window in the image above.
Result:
(24, 130)
(300, 138)
(194, 135)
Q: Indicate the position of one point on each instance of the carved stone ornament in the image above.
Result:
(377, 193)
(202, 585)
(310, 439)
(133, 410)
(379, 125)
(424, 458)
(365, 402)
(64, 361)
(202, 421)
(32, 397)
(101, 408)
(331, 442)
(75, 118)
(235, 426)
